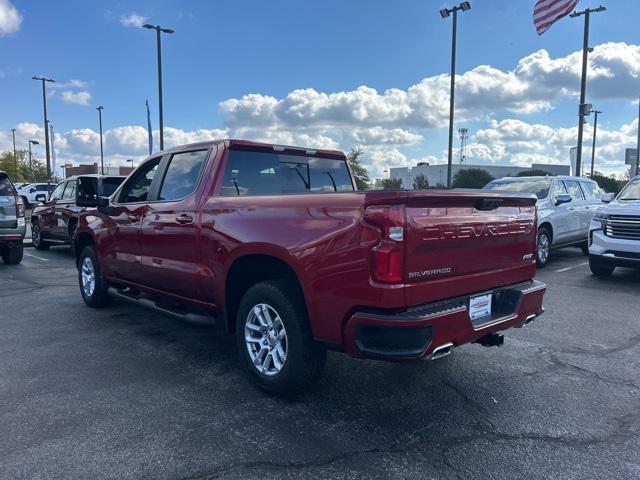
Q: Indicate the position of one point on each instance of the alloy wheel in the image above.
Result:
(266, 339)
(88, 277)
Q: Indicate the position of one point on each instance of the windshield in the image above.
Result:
(538, 187)
(631, 191)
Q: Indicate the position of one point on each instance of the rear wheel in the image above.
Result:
(39, 243)
(600, 268)
(13, 255)
(93, 286)
(543, 249)
(275, 341)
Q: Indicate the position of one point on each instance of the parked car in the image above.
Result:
(54, 221)
(566, 206)
(614, 236)
(12, 223)
(276, 245)
(34, 193)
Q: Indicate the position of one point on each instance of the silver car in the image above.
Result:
(566, 206)
(12, 223)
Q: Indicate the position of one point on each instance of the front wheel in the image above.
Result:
(585, 249)
(93, 286)
(599, 268)
(13, 255)
(543, 249)
(274, 339)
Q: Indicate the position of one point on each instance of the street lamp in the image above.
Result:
(444, 13)
(46, 125)
(158, 30)
(583, 82)
(32, 142)
(100, 108)
(593, 146)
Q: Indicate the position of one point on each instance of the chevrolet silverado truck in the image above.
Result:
(277, 245)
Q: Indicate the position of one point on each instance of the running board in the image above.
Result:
(151, 304)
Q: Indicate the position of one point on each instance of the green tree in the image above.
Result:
(24, 173)
(391, 183)
(608, 184)
(420, 182)
(359, 171)
(471, 178)
(533, 173)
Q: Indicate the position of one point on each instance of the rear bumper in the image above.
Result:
(416, 332)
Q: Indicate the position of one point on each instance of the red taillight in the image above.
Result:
(19, 207)
(388, 256)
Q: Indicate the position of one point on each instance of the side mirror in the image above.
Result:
(41, 198)
(608, 197)
(562, 198)
(87, 193)
(31, 190)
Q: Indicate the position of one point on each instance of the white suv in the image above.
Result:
(614, 235)
(566, 206)
(35, 192)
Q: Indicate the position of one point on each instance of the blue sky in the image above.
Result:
(229, 49)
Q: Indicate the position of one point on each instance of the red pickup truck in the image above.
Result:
(277, 245)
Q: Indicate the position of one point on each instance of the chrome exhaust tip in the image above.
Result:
(441, 351)
(529, 319)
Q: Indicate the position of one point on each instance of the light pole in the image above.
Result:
(15, 157)
(638, 143)
(593, 146)
(46, 125)
(444, 13)
(32, 142)
(159, 30)
(100, 108)
(583, 111)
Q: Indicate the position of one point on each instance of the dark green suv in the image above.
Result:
(12, 222)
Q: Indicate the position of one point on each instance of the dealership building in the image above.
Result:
(437, 174)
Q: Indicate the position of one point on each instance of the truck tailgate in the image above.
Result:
(463, 242)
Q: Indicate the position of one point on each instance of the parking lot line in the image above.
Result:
(35, 256)
(572, 266)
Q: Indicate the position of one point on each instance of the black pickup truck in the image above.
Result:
(54, 221)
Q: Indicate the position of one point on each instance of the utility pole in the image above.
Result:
(593, 146)
(444, 13)
(100, 108)
(46, 125)
(159, 30)
(15, 157)
(583, 110)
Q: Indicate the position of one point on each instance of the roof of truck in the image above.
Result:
(230, 142)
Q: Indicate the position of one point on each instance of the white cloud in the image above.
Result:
(76, 98)
(132, 20)
(10, 18)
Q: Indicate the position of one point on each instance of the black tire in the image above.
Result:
(39, 243)
(304, 357)
(585, 249)
(13, 255)
(600, 268)
(543, 255)
(98, 296)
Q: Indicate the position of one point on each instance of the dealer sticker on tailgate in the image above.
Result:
(480, 306)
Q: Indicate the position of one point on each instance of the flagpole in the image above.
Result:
(638, 143)
(583, 111)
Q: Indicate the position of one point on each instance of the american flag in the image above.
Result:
(547, 12)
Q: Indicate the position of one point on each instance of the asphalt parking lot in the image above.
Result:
(125, 393)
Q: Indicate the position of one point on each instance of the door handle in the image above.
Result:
(184, 218)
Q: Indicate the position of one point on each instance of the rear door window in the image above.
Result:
(249, 173)
(183, 175)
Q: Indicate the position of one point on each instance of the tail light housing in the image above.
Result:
(387, 257)
(20, 207)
